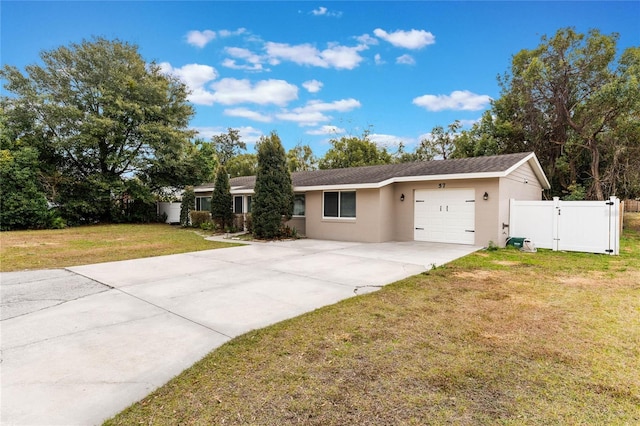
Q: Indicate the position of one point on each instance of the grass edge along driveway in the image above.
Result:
(83, 245)
(495, 337)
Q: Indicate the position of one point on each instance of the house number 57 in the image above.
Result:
(441, 185)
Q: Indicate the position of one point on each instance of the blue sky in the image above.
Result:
(318, 70)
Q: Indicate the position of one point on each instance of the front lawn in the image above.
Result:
(498, 337)
(20, 250)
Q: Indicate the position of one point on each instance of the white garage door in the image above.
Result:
(445, 216)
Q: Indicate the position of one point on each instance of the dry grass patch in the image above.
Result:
(20, 250)
(494, 338)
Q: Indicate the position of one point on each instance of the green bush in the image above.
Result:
(57, 223)
(23, 204)
(208, 226)
(199, 217)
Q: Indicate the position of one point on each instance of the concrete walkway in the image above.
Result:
(81, 344)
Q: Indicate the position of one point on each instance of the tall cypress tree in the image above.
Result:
(187, 204)
(273, 199)
(221, 209)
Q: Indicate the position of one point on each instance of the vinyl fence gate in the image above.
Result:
(585, 226)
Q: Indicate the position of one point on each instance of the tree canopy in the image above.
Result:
(228, 145)
(353, 152)
(577, 106)
(99, 115)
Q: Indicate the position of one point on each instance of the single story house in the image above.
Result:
(463, 201)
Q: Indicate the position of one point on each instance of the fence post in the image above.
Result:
(556, 220)
(614, 225)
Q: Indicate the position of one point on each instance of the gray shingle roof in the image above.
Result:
(377, 174)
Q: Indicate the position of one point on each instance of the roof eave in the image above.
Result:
(376, 185)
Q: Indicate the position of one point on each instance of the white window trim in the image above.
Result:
(305, 205)
(340, 218)
(200, 202)
(241, 207)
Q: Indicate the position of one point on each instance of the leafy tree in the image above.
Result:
(273, 199)
(242, 165)
(575, 106)
(440, 144)
(23, 203)
(221, 201)
(300, 158)
(228, 145)
(482, 139)
(98, 114)
(353, 152)
(187, 205)
(191, 165)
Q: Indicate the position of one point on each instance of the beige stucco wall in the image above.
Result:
(381, 216)
(373, 222)
(299, 224)
(521, 184)
(486, 211)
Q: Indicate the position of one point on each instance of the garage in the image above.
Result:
(445, 216)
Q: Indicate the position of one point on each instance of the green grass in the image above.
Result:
(498, 337)
(21, 250)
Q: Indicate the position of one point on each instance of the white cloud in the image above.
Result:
(247, 113)
(227, 33)
(230, 91)
(469, 123)
(458, 100)
(323, 11)
(248, 134)
(378, 59)
(312, 86)
(319, 11)
(327, 130)
(405, 60)
(244, 54)
(414, 39)
(195, 76)
(367, 39)
(390, 141)
(313, 113)
(335, 56)
(231, 63)
(200, 38)
(303, 117)
(254, 61)
(342, 105)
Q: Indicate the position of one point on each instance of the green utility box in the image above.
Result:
(515, 242)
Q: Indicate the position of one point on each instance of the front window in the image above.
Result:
(237, 204)
(298, 205)
(340, 204)
(203, 203)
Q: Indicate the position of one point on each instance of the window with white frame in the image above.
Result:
(339, 204)
(237, 204)
(298, 204)
(203, 203)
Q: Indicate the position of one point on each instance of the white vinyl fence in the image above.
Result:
(171, 209)
(586, 226)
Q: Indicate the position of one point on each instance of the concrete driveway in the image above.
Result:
(82, 343)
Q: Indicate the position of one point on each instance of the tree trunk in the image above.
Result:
(596, 186)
